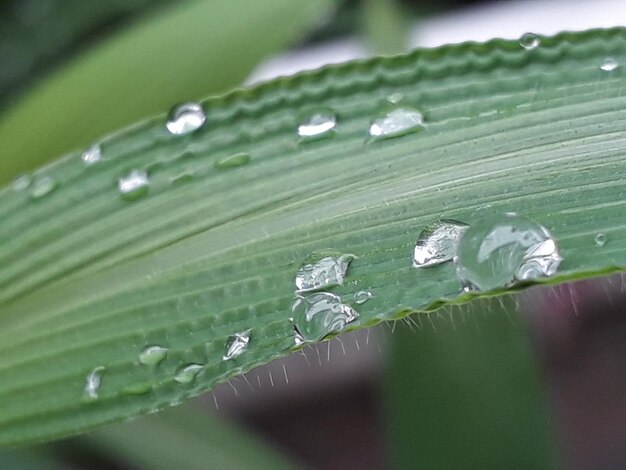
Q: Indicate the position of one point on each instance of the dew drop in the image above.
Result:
(322, 269)
(236, 345)
(92, 155)
(187, 374)
(609, 65)
(529, 41)
(437, 243)
(140, 388)
(185, 118)
(93, 382)
(600, 239)
(153, 355)
(395, 98)
(232, 161)
(361, 297)
(21, 182)
(398, 122)
(42, 186)
(317, 125)
(315, 316)
(498, 251)
(134, 185)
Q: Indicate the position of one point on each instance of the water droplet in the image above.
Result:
(21, 182)
(600, 239)
(398, 122)
(236, 345)
(232, 161)
(188, 373)
(437, 243)
(140, 388)
(318, 124)
(92, 155)
(134, 185)
(315, 316)
(93, 382)
(185, 118)
(362, 296)
(496, 252)
(153, 355)
(322, 269)
(42, 186)
(395, 98)
(609, 65)
(529, 41)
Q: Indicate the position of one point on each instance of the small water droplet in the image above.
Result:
(609, 65)
(21, 182)
(318, 124)
(187, 374)
(93, 382)
(437, 243)
(232, 161)
(236, 345)
(322, 269)
(42, 186)
(361, 297)
(529, 41)
(185, 118)
(134, 185)
(398, 122)
(495, 252)
(182, 178)
(153, 355)
(140, 388)
(92, 155)
(315, 316)
(395, 98)
(600, 239)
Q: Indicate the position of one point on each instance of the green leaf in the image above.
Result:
(463, 392)
(185, 51)
(88, 279)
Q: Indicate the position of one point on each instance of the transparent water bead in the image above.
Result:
(93, 382)
(318, 124)
(398, 122)
(438, 243)
(236, 345)
(134, 184)
(232, 161)
(153, 355)
(322, 269)
(395, 98)
(185, 118)
(495, 252)
(315, 316)
(600, 239)
(21, 182)
(361, 297)
(609, 65)
(42, 186)
(92, 155)
(529, 41)
(188, 373)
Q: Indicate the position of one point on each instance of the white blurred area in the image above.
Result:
(507, 19)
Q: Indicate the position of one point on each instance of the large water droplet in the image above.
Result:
(232, 161)
(322, 269)
(315, 316)
(529, 41)
(185, 118)
(398, 122)
(92, 155)
(188, 373)
(361, 297)
(93, 382)
(236, 345)
(600, 239)
(153, 355)
(134, 185)
(42, 186)
(21, 182)
(437, 243)
(609, 65)
(317, 125)
(495, 252)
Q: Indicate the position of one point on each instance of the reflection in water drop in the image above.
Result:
(42, 186)
(318, 124)
(609, 65)
(133, 185)
(232, 161)
(93, 382)
(236, 345)
(185, 118)
(529, 41)
(153, 355)
(92, 155)
(600, 239)
(398, 122)
(322, 269)
(361, 297)
(315, 316)
(187, 374)
(437, 243)
(21, 182)
(496, 252)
